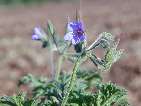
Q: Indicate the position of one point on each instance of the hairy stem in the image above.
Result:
(60, 61)
(71, 82)
(52, 64)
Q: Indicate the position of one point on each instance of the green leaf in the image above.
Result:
(103, 41)
(7, 101)
(31, 80)
(109, 94)
(51, 29)
(90, 76)
(17, 100)
(112, 55)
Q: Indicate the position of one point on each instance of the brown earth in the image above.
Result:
(19, 55)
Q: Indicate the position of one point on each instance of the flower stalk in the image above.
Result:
(72, 80)
(52, 64)
(60, 61)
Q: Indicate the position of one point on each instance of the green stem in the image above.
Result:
(59, 67)
(52, 64)
(71, 82)
(62, 57)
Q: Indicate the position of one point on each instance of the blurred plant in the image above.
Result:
(81, 87)
(11, 2)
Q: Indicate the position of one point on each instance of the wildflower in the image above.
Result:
(38, 34)
(75, 32)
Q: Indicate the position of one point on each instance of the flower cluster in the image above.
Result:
(76, 33)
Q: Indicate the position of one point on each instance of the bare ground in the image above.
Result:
(19, 55)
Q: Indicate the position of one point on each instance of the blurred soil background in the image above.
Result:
(20, 55)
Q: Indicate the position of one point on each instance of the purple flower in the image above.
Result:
(38, 34)
(75, 32)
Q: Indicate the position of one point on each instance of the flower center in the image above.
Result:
(79, 32)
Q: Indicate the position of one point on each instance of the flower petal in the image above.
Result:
(38, 31)
(69, 27)
(68, 36)
(35, 37)
(76, 25)
(75, 40)
(83, 37)
(75, 32)
(38, 34)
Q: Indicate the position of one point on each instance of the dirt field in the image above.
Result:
(20, 55)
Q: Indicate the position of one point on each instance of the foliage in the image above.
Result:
(10, 2)
(81, 87)
(17, 100)
(50, 93)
